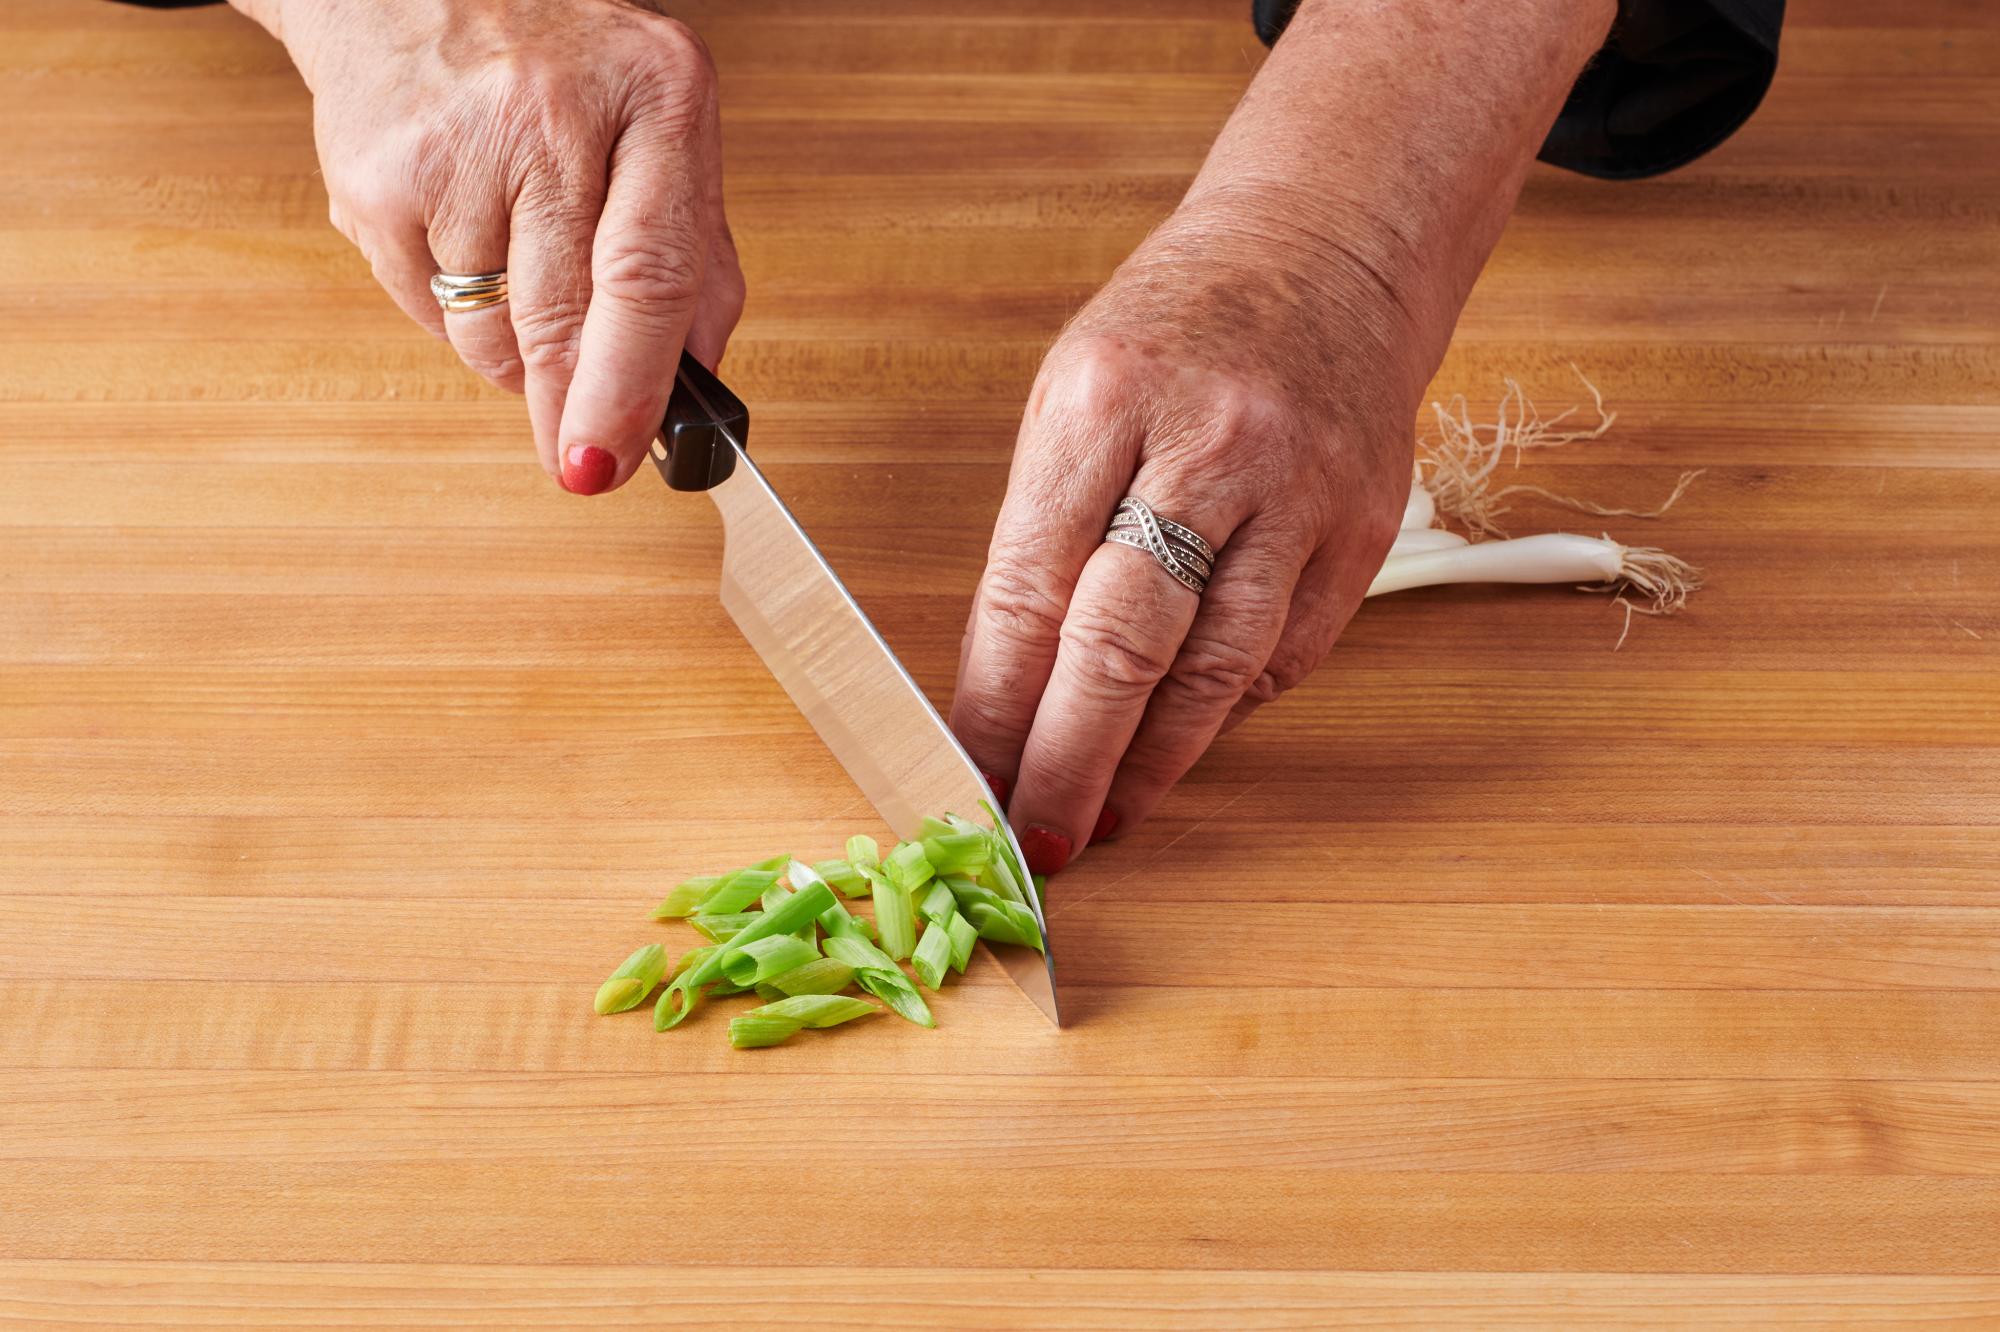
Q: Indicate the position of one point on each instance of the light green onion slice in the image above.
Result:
(723, 928)
(932, 827)
(775, 1023)
(676, 1001)
(737, 891)
(686, 898)
(933, 956)
(774, 897)
(1006, 922)
(841, 876)
(893, 988)
(822, 975)
(837, 920)
(761, 959)
(895, 919)
(963, 936)
(862, 850)
(906, 866)
(1041, 882)
(937, 904)
(969, 893)
(954, 852)
(679, 998)
(1008, 876)
(633, 981)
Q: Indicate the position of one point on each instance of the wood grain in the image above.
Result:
(1494, 979)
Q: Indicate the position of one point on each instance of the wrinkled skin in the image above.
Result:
(574, 145)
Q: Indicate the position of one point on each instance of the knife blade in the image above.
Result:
(821, 647)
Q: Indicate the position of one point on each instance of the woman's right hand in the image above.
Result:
(573, 143)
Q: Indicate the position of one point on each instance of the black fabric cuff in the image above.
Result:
(1675, 78)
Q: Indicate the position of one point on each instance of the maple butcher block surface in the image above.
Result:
(1493, 978)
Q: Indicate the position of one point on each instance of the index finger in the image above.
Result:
(647, 264)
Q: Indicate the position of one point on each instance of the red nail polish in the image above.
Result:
(588, 470)
(1107, 823)
(1047, 851)
(999, 785)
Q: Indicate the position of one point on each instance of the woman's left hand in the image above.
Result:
(1249, 387)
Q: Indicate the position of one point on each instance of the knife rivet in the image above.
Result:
(660, 449)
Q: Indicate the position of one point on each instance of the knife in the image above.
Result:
(819, 645)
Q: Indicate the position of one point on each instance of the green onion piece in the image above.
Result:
(933, 956)
(723, 928)
(838, 920)
(861, 850)
(1006, 922)
(761, 959)
(937, 904)
(799, 910)
(737, 891)
(722, 989)
(968, 893)
(775, 1023)
(822, 975)
(776, 864)
(931, 827)
(686, 898)
(954, 852)
(1041, 882)
(676, 1001)
(963, 936)
(859, 954)
(895, 919)
(906, 866)
(893, 988)
(691, 958)
(633, 981)
(1008, 875)
(774, 897)
(841, 876)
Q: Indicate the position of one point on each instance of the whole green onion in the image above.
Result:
(963, 936)
(932, 958)
(761, 959)
(633, 981)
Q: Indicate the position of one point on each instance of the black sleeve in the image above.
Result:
(1675, 78)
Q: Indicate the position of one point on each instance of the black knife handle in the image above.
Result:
(691, 452)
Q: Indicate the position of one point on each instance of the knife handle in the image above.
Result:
(693, 451)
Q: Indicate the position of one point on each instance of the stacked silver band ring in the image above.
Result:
(469, 291)
(1179, 550)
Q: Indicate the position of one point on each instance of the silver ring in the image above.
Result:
(456, 292)
(1179, 550)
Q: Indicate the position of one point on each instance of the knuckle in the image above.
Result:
(500, 369)
(1109, 654)
(549, 335)
(1214, 671)
(1018, 605)
(659, 279)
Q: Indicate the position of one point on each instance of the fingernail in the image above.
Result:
(999, 785)
(1047, 850)
(1107, 823)
(587, 469)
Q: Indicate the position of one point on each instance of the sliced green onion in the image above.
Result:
(776, 864)
(798, 910)
(932, 958)
(859, 954)
(761, 959)
(937, 903)
(963, 936)
(895, 918)
(906, 867)
(1006, 880)
(1006, 922)
(774, 897)
(676, 1001)
(723, 928)
(954, 852)
(968, 893)
(822, 975)
(775, 1023)
(932, 827)
(862, 850)
(738, 890)
(893, 988)
(841, 876)
(633, 981)
(686, 897)
(1041, 882)
(838, 920)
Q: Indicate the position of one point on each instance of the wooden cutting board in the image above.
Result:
(1495, 977)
